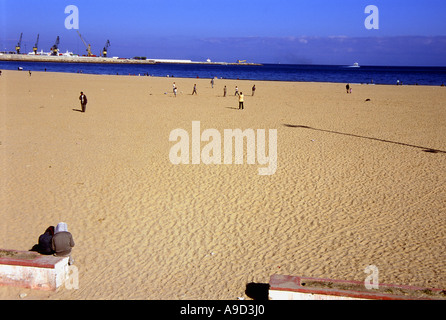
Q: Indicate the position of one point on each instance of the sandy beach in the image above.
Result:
(360, 181)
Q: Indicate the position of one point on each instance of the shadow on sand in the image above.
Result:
(257, 291)
(424, 149)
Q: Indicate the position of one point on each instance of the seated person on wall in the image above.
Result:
(45, 244)
(62, 242)
(45, 241)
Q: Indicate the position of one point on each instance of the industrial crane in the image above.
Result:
(35, 46)
(104, 51)
(87, 46)
(17, 47)
(54, 49)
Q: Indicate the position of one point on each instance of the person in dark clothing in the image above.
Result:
(83, 100)
(45, 242)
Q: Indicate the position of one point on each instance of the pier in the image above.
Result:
(105, 60)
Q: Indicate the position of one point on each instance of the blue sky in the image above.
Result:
(411, 32)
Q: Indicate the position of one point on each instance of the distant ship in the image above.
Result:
(355, 65)
(41, 53)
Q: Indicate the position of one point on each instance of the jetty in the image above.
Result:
(107, 60)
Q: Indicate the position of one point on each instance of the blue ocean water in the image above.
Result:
(433, 76)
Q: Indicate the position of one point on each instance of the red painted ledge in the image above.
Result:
(28, 259)
(352, 289)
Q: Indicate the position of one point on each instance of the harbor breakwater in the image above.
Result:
(105, 60)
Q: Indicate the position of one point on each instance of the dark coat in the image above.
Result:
(45, 243)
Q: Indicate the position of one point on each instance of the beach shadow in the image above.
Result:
(424, 149)
(233, 108)
(257, 291)
(77, 110)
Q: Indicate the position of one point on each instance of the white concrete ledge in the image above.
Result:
(284, 287)
(32, 270)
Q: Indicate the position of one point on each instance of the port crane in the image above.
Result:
(87, 46)
(17, 47)
(55, 49)
(104, 51)
(35, 46)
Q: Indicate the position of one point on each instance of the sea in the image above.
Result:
(385, 75)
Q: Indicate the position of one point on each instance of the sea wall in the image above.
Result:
(70, 59)
(83, 59)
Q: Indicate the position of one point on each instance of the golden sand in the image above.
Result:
(354, 186)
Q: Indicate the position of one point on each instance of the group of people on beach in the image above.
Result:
(56, 241)
(237, 93)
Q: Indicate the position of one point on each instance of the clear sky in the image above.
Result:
(411, 32)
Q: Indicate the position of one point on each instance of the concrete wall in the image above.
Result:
(285, 287)
(32, 270)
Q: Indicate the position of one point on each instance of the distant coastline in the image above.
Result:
(433, 76)
(107, 60)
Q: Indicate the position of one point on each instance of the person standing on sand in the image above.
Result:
(253, 90)
(240, 101)
(212, 83)
(236, 91)
(347, 87)
(83, 100)
(224, 91)
(195, 90)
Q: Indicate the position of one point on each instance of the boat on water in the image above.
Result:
(355, 65)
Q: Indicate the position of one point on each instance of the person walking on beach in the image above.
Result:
(224, 91)
(83, 100)
(212, 83)
(236, 91)
(240, 101)
(347, 87)
(253, 90)
(195, 90)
